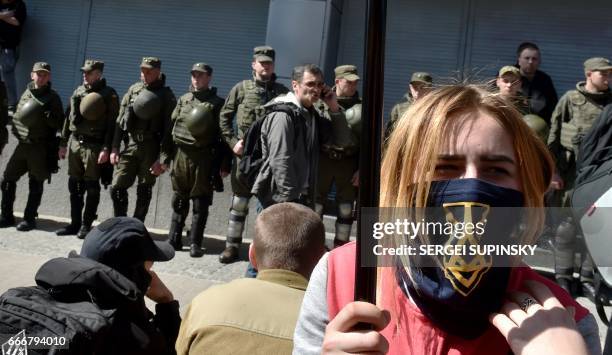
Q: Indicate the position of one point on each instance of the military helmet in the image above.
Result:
(353, 117)
(201, 122)
(538, 125)
(30, 112)
(92, 106)
(147, 105)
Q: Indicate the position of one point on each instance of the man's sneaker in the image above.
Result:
(26, 225)
(229, 255)
(70, 229)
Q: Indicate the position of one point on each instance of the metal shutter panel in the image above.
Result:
(180, 33)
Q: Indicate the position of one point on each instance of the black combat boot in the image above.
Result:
(180, 207)
(91, 208)
(119, 196)
(198, 223)
(8, 199)
(144, 192)
(31, 210)
(77, 189)
(175, 234)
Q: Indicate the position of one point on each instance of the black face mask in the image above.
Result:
(459, 297)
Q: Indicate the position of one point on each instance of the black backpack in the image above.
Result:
(593, 164)
(64, 327)
(77, 304)
(252, 155)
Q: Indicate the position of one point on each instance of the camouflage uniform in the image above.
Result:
(573, 116)
(85, 138)
(403, 106)
(243, 105)
(195, 134)
(338, 165)
(35, 129)
(397, 111)
(148, 139)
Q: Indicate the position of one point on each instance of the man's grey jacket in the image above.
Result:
(290, 147)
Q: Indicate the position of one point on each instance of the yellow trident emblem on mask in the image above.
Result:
(465, 271)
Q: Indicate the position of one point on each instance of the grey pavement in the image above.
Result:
(21, 254)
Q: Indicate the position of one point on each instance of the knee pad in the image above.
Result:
(8, 186)
(92, 188)
(180, 204)
(566, 232)
(76, 186)
(345, 213)
(118, 194)
(201, 203)
(240, 205)
(36, 187)
(144, 191)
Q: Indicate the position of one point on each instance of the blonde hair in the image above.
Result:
(411, 153)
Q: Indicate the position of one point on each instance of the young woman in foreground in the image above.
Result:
(459, 143)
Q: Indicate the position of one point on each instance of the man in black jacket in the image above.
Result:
(114, 267)
(537, 86)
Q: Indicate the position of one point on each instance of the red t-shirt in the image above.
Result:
(410, 332)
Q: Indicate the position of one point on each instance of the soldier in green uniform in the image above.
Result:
(243, 105)
(340, 165)
(509, 83)
(87, 137)
(420, 84)
(573, 116)
(37, 119)
(144, 125)
(195, 134)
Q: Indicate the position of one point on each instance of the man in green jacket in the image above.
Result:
(144, 126)
(242, 107)
(572, 118)
(420, 84)
(87, 138)
(340, 165)
(258, 316)
(37, 119)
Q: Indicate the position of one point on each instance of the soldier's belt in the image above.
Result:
(84, 139)
(337, 154)
(140, 137)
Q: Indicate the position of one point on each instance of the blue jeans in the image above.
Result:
(251, 270)
(8, 59)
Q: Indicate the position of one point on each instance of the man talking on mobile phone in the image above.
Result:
(291, 136)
